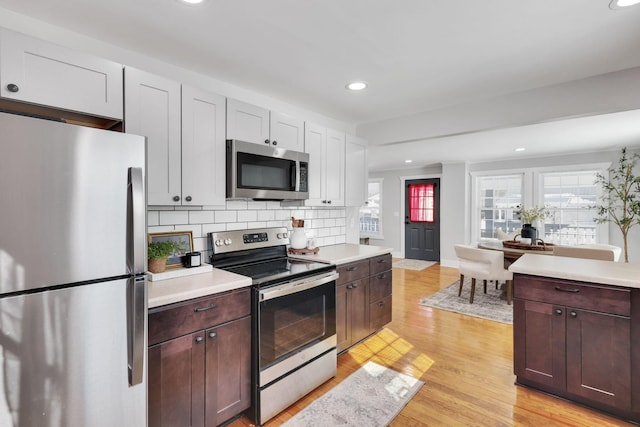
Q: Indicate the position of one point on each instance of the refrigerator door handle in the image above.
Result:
(136, 315)
(137, 250)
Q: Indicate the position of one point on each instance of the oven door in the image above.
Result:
(296, 323)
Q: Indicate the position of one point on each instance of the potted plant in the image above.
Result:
(158, 252)
(620, 200)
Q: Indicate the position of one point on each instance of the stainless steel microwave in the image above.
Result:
(265, 172)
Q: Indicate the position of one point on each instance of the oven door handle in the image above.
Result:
(297, 286)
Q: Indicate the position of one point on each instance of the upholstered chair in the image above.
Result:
(590, 251)
(482, 264)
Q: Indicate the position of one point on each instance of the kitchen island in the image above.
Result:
(576, 329)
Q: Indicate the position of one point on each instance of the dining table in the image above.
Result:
(511, 254)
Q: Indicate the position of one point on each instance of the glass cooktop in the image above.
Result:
(280, 269)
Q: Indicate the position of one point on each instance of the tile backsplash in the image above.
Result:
(326, 225)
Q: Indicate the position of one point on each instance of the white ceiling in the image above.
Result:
(416, 55)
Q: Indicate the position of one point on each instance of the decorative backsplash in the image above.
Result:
(326, 225)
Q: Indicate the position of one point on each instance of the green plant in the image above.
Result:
(620, 199)
(163, 249)
(527, 216)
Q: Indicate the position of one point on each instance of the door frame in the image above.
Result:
(403, 180)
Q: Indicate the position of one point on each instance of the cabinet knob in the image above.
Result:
(573, 314)
(12, 87)
(188, 198)
(355, 285)
(557, 312)
(266, 141)
(329, 201)
(275, 142)
(199, 339)
(176, 198)
(349, 286)
(212, 335)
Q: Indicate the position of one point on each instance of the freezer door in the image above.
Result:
(65, 194)
(64, 359)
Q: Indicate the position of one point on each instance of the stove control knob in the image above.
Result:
(281, 235)
(285, 235)
(218, 242)
(227, 242)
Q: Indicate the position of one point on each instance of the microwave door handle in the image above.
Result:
(297, 172)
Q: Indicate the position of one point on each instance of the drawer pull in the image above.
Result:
(381, 304)
(573, 291)
(557, 312)
(198, 310)
(382, 261)
(212, 335)
(355, 285)
(352, 268)
(382, 276)
(199, 339)
(573, 314)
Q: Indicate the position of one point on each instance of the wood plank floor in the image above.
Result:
(466, 363)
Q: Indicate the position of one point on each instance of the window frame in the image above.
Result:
(372, 235)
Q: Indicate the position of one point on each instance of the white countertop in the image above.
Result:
(345, 253)
(584, 270)
(187, 287)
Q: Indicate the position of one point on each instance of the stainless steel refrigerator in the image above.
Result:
(72, 276)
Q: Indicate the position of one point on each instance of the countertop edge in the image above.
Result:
(345, 253)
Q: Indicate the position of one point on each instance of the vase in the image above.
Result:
(298, 238)
(157, 265)
(529, 232)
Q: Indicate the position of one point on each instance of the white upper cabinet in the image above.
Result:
(250, 123)
(357, 174)
(38, 72)
(326, 149)
(286, 131)
(185, 139)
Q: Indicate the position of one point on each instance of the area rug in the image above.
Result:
(371, 396)
(413, 264)
(487, 306)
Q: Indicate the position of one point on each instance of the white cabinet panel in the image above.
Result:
(287, 131)
(203, 147)
(152, 106)
(315, 143)
(38, 72)
(357, 175)
(247, 122)
(326, 149)
(335, 167)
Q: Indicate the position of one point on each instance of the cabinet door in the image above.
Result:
(356, 173)
(539, 343)
(380, 313)
(228, 372)
(314, 144)
(599, 357)
(343, 318)
(247, 122)
(335, 167)
(286, 131)
(176, 382)
(51, 75)
(203, 147)
(359, 309)
(152, 108)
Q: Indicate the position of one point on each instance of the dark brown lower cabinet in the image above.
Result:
(363, 299)
(576, 340)
(201, 378)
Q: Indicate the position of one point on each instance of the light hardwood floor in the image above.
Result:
(465, 361)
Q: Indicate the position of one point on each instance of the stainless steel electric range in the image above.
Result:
(293, 316)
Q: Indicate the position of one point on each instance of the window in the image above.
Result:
(421, 202)
(371, 214)
(497, 200)
(570, 196)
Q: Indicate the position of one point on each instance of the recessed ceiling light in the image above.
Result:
(408, 161)
(192, 1)
(356, 86)
(519, 149)
(619, 4)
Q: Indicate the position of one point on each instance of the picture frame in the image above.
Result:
(174, 260)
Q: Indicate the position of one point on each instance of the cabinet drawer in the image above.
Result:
(573, 294)
(380, 263)
(352, 271)
(379, 314)
(380, 286)
(182, 318)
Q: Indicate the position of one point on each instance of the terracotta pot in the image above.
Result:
(157, 265)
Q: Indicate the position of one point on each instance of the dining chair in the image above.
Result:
(482, 264)
(589, 251)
